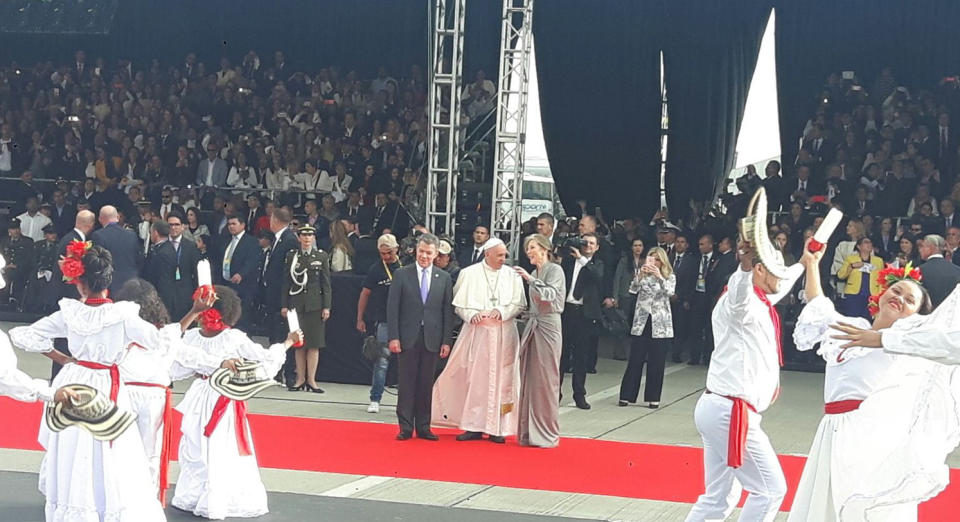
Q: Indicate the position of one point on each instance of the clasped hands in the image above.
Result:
(485, 314)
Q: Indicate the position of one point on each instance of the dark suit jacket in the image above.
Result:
(125, 247)
(406, 310)
(465, 258)
(365, 254)
(160, 268)
(726, 264)
(940, 277)
(65, 220)
(686, 270)
(275, 274)
(589, 287)
(245, 260)
(939, 223)
(252, 223)
(183, 288)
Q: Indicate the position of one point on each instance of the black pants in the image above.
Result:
(652, 352)
(417, 367)
(700, 340)
(579, 343)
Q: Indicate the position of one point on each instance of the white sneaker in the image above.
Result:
(374, 407)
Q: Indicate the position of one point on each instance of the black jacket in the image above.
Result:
(275, 273)
(245, 260)
(125, 247)
(160, 269)
(590, 285)
(940, 277)
(686, 269)
(183, 288)
(726, 265)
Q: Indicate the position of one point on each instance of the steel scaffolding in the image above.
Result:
(516, 38)
(444, 112)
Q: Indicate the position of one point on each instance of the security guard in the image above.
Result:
(17, 250)
(306, 288)
(43, 289)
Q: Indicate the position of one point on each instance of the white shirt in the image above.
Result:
(210, 164)
(852, 373)
(83, 237)
(14, 383)
(745, 362)
(32, 226)
(6, 156)
(579, 264)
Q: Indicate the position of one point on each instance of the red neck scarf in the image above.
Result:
(94, 301)
(775, 317)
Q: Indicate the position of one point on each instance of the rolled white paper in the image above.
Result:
(293, 320)
(203, 273)
(830, 223)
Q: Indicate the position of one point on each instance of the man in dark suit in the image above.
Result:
(685, 267)
(420, 328)
(952, 252)
(474, 254)
(801, 186)
(775, 186)
(160, 267)
(365, 250)
(185, 276)
(948, 217)
(700, 337)
(254, 211)
(238, 266)
(122, 244)
(83, 226)
(726, 265)
(940, 276)
(584, 271)
(271, 281)
(351, 207)
(63, 214)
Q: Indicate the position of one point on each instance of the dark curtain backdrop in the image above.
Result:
(360, 34)
(599, 77)
(709, 52)
(816, 37)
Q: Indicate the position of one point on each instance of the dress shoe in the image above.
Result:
(676, 358)
(312, 389)
(498, 439)
(295, 388)
(427, 435)
(622, 403)
(653, 405)
(592, 371)
(694, 362)
(404, 435)
(581, 403)
(470, 435)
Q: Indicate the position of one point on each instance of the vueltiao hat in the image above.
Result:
(251, 378)
(94, 412)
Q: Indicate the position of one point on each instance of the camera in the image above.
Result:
(570, 240)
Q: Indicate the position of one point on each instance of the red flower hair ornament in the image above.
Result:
(888, 277)
(72, 263)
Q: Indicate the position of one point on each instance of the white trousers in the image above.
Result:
(760, 473)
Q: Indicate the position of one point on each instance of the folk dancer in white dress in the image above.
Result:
(84, 479)
(147, 374)
(852, 375)
(219, 476)
(742, 381)
(911, 423)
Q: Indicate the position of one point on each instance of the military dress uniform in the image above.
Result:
(306, 288)
(18, 253)
(43, 290)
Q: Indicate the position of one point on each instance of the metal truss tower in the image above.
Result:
(444, 112)
(516, 39)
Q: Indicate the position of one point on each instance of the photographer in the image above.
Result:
(584, 272)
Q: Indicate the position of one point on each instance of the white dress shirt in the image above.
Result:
(577, 266)
(6, 156)
(745, 362)
(32, 226)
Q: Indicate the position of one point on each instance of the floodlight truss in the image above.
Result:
(516, 38)
(444, 113)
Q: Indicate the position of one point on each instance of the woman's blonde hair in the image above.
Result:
(665, 267)
(542, 242)
(338, 237)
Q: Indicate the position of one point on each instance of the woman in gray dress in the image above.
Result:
(540, 347)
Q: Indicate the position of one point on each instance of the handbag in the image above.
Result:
(613, 323)
(371, 348)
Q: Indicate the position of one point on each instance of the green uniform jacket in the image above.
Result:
(316, 293)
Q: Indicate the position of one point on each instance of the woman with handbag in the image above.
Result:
(652, 329)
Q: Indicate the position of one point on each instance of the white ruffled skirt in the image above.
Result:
(86, 480)
(215, 481)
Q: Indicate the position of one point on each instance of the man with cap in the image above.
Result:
(32, 220)
(44, 293)
(372, 311)
(666, 237)
(17, 250)
(743, 379)
(446, 260)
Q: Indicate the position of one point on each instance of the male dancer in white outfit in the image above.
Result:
(743, 380)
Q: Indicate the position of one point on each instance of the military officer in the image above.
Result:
(18, 252)
(306, 288)
(44, 292)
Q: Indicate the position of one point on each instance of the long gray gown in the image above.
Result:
(540, 347)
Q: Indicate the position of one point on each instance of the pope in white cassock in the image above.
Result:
(479, 389)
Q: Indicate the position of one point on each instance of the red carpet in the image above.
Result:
(648, 471)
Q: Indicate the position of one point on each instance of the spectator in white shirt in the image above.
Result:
(32, 221)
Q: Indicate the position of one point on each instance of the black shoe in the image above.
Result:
(676, 358)
(622, 403)
(427, 435)
(592, 371)
(694, 362)
(498, 439)
(404, 435)
(470, 435)
(653, 405)
(312, 389)
(581, 403)
(294, 388)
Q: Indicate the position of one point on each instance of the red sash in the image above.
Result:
(165, 446)
(114, 376)
(838, 407)
(737, 434)
(240, 422)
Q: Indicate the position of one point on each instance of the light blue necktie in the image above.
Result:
(424, 288)
(228, 258)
